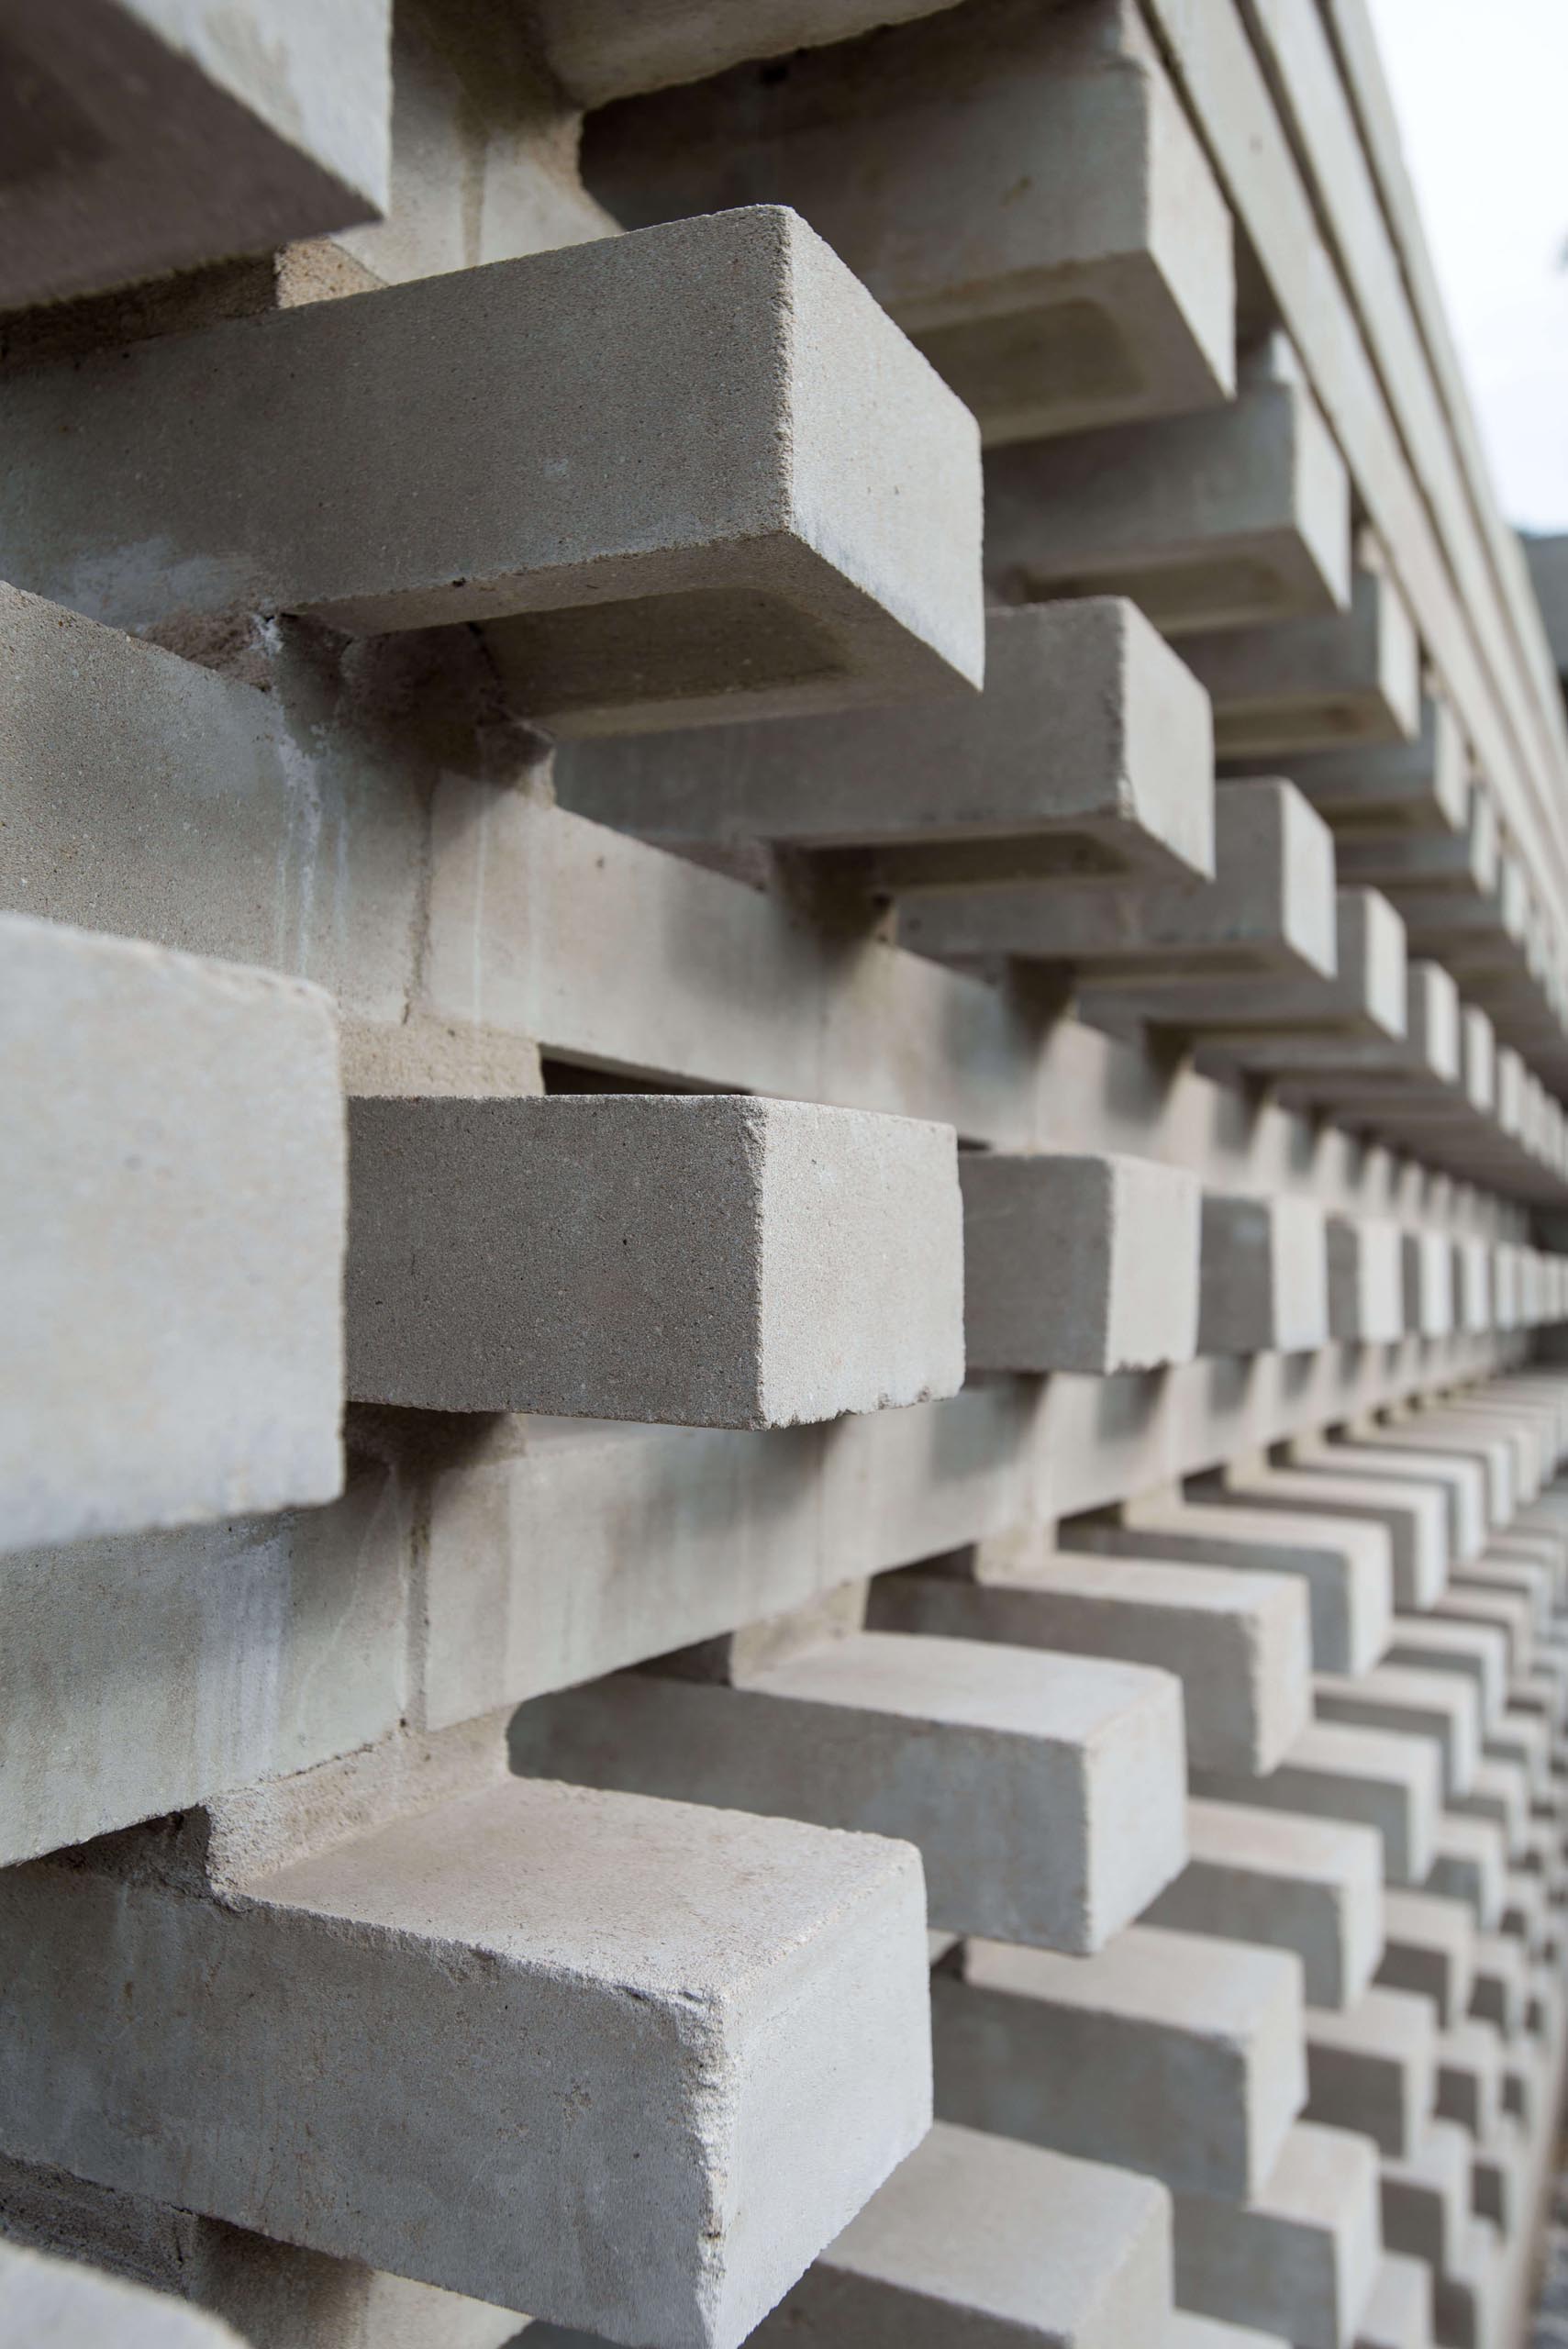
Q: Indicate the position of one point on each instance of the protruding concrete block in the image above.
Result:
(1369, 1775)
(1504, 1611)
(1308, 1885)
(597, 50)
(1239, 1643)
(1502, 1990)
(1365, 1280)
(1301, 2256)
(811, 527)
(1470, 2294)
(1426, 2198)
(1499, 1792)
(60, 2301)
(1469, 1863)
(1399, 2314)
(1477, 1651)
(284, 123)
(714, 1260)
(1470, 2077)
(1472, 1285)
(1078, 1263)
(1287, 1025)
(1461, 1480)
(1416, 1522)
(1089, 755)
(1221, 519)
(979, 2242)
(1265, 1276)
(1373, 2068)
(1307, 684)
(1428, 1260)
(1021, 191)
(1386, 789)
(1464, 860)
(1437, 1705)
(1430, 1946)
(1185, 2332)
(1045, 1793)
(171, 1161)
(1449, 1433)
(612, 2018)
(1174, 2055)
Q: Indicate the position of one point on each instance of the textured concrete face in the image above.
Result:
(1462, 1481)
(1308, 1885)
(1371, 1776)
(804, 510)
(599, 50)
(1476, 1651)
(1265, 1277)
(1426, 2199)
(1078, 1263)
(715, 1260)
(1398, 2314)
(1423, 783)
(1287, 1025)
(172, 1165)
(1309, 684)
(1177, 2056)
(1238, 1642)
(613, 2018)
(1365, 1280)
(1020, 190)
(979, 2242)
(284, 126)
(57, 2301)
(1414, 1519)
(1089, 754)
(1044, 1792)
(1301, 2257)
(1437, 1705)
(1373, 2069)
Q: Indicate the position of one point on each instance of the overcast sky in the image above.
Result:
(1480, 87)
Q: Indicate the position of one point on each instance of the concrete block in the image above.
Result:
(1501, 1793)
(173, 1163)
(1489, 1609)
(1470, 2077)
(1472, 1285)
(1469, 1863)
(598, 51)
(1300, 2257)
(1500, 2176)
(1265, 1276)
(1089, 756)
(1399, 2314)
(1513, 1578)
(1446, 1433)
(1388, 789)
(45, 2300)
(1415, 1520)
(1427, 1263)
(1373, 2068)
(1176, 2057)
(284, 132)
(1345, 1565)
(1368, 1776)
(1426, 2198)
(1315, 684)
(1021, 192)
(1502, 1989)
(1078, 1263)
(982, 2243)
(1224, 518)
(1289, 1024)
(611, 2015)
(1429, 1945)
(1464, 1481)
(1270, 908)
(1464, 860)
(1435, 1705)
(1365, 1280)
(1185, 2332)
(1308, 1885)
(811, 526)
(1469, 2295)
(716, 1260)
(1477, 1651)
(1045, 1794)
(1237, 1642)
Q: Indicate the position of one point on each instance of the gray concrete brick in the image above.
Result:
(1416, 1522)
(1365, 1285)
(1301, 2256)
(598, 51)
(1435, 1705)
(1430, 1946)
(1373, 2068)
(1427, 1262)
(1461, 1479)
(1271, 1024)
(1470, 2077)
(1478, 1651)
(1421, 783)
(1469, 1863)
(1399, 2314)
(1369, 1775)
(1308, 1885)
(1426, 2198)
(1469, 2295)
(713, 1261)
(1265, 1276)
(1309, 684)
(173, 1163)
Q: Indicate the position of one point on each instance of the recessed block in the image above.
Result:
(1265, 1276)
(1309, 684)
(714, 1260)
(1045, 1793)
(679, 475)
(172, 1159)
(1313, 1886)
(1300, 2257)
(1078, 1263)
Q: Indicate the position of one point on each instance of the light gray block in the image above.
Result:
(1502, 1989)
(1045, 1793)
(1365, 1282)
(1469, 2295)
(1463, 859)
(1469, 1863)
(1221, 519)
(1369, 1775)
(1020, 189)
(1430, 1946)
(612, 2018)
(1472, 1285)
(1504, 1611)
(1463, 1480)
(1239, 1643)
(1301, 2256)
(1390, 788)
(1089, 755)
(46, 2302)
(1399, 2314)
(1265, 1276)
(1308, 1885)
(1426, 2198)
(1309, 684)
(1166, 2054)
(1450, 1432)
(1517, 1577)
(1477, 1651)
(1274, 1024)
(598, 50)
(1078, 1263)
(982, 2242)
(171, 1160)
(778, 490)
(149, 136)
(1427, 1263)
(1373, 2068)
(1435, 1704)
(1470, 2077)
(1416, 1522)
(1500, 1792)
(717, 1261)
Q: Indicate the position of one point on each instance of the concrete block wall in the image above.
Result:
(784, 921)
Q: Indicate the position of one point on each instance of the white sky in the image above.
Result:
(1480, 87)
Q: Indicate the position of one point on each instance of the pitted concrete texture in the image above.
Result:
(1365, 1280)
(627, 2028)
(799, 529)
(1044, 1792)
(1373, 2068)
(1265, 1275)
(1089, 754)
(1311, 1885)
(1415, 1520)
(1437, 1705)
(1371, 1776)
(172, 1165)
(1168, 2053)
(1399, 2315)
(1078, 1263)
(284, 131)
(1424, 781)
(47, 2303)
(713, 1261)
(980, 2242)
(1301, 2257)
(1239, 1643)
(1307, 684)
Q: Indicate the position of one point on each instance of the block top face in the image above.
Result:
(779, 484)
(600, 49)
(1328, 1851)
(705, 1260)
(1183, 1981)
